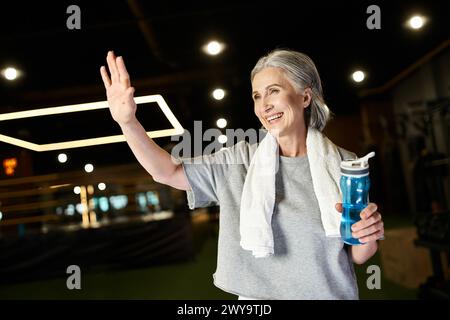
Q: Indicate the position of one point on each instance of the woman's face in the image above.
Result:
(277, 103)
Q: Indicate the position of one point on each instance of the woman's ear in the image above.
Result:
(307, 97)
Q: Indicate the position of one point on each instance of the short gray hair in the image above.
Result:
(302, 72)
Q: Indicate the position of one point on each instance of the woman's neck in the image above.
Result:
(293, 145)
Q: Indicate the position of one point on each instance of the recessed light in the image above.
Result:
(416, 22)
(213, 48)
(358, 76)
(10, 73)
(221, 123)
(88, 168)
(218, 94)
(62, 157)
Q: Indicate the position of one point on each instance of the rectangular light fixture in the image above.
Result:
(176, 130)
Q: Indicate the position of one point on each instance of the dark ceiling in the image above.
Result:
(61, 66)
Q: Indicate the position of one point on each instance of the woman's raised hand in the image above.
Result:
(119, 90)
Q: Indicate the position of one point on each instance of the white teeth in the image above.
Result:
(278, 115)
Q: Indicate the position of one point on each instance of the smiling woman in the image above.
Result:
(289, 80)
(280, 207)
(300, 72)
(280, 107)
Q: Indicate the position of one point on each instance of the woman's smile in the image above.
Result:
(275, 118)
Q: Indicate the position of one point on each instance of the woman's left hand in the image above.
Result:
(370, 227)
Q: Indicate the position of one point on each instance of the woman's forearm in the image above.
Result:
(152, 157)
(360, 254)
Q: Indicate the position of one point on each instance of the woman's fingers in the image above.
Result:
(123, 73)
(111, 59)
(364, 223)
(369, 210)
(105, 77)
(369, 230)
(379, 235)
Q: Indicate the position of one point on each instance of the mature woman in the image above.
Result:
(277, 237)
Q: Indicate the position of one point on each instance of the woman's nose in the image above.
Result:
(267, 107)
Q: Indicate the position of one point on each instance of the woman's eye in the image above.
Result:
(255, 97)
(273, 91)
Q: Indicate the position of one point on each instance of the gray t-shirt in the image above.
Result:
(306, 264)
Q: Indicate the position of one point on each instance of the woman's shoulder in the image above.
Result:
(240, 153)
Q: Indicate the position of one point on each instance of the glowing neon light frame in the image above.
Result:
(176, 130)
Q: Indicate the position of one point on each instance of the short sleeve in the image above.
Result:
(207, 174)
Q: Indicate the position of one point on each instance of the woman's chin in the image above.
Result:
(275, 130)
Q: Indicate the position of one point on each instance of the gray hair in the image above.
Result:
(302, 73)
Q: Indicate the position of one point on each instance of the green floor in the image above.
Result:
(191, 280)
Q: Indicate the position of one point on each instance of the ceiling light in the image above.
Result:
(10, 73)
(218, 94)
(222, 138)
(358, 76)
(88, 168)
(62, 157)
(213, 48)
(176, 130)
(416, 22)
(221, 123)
(77, 190)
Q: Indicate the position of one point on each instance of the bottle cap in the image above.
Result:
(359, 166)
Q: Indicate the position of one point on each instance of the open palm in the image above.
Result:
(119, 90)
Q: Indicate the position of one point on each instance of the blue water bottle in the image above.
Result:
(355, 184)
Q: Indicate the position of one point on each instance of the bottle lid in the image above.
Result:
(358, 166)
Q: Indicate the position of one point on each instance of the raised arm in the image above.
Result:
(153, 158)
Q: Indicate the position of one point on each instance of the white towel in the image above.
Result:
(258, 195)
